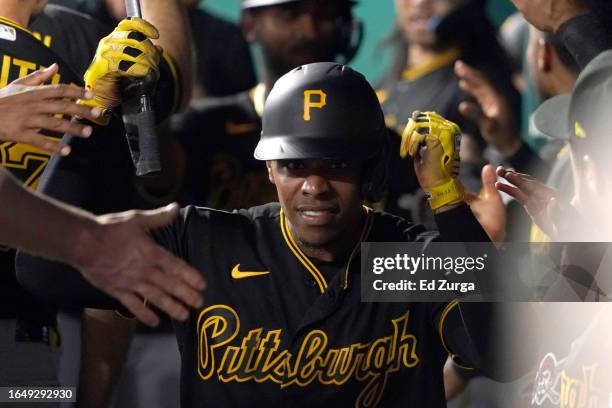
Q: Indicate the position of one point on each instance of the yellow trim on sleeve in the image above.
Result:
(314, 271)
(447, 309)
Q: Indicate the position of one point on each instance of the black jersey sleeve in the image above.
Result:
(476, 335)
(585, 36)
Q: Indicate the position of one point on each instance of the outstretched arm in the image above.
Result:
(114, 252)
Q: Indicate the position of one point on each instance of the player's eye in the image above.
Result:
(340, 165)
(292, 164)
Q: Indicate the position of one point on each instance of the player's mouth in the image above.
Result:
(317, 215)
(419, 21)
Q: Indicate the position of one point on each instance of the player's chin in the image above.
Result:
(317, 237)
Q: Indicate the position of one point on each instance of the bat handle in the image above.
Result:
(132, 8)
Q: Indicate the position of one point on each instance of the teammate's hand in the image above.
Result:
(541, 202)
(119, 257)
(549, 15)
(127, 52)
(492, 112)
(488, 207)
(27, 106)
(433, 142)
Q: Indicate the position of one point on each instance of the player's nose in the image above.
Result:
(315, 184)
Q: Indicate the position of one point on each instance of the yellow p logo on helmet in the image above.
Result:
(309, 103)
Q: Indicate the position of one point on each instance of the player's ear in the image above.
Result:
(247, 25)
(269, 164)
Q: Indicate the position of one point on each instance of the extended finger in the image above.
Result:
(38, 77)
(162, 301)
(62, 91)
(67, 107)
(177, 288)
(179, 268)
(513, 191)
(42, 142)
(61, 125)
(488, 178)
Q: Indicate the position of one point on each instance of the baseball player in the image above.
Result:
(29, 324)
(220, 169)
(282, 321)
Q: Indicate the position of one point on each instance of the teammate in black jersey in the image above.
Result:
(30, 326)
(283, 322)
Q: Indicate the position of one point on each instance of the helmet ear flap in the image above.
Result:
(350, 38)
(375, 172)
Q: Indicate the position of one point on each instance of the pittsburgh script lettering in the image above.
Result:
(258, 355)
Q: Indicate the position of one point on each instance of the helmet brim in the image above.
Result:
(296, 147)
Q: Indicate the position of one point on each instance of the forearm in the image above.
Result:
(102, 356)
(456, 223)
(40, 225)
(500, 340)
(170, 18)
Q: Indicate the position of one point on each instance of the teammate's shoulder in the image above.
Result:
(216, 112)
(59, 11)
(392, 228)
(58, 19)
(62, 14)
(239, 102)
(263, 212)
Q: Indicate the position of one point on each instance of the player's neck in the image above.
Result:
(17, 11)
(419, 55)
(337, 251)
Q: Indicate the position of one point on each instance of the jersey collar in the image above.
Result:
(12, 23)
(311, 267)
(439, 61)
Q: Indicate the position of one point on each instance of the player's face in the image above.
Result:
(319, 197)
(415, 18)
(296, 33)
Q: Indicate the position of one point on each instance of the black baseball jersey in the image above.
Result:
(21, 53)
(70, 39)
(278, 328)
(219, 136)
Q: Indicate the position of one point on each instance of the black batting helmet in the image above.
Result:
(329, 111)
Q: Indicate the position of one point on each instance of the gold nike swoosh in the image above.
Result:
(233, 128)
(238, 274)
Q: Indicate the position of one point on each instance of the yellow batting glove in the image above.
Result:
(127, 52)
(434, 142)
